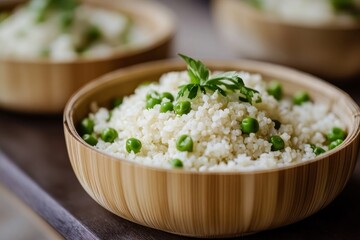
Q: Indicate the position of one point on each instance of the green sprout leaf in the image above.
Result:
(223, 82)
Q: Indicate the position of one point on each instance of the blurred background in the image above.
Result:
(321, 37)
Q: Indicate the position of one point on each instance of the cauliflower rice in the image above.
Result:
(213, 124)
(311, 12)
(21, 36)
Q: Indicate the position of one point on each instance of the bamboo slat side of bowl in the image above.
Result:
(44, 86)
(210, 204)
(329, 51)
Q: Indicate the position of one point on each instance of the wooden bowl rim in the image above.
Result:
(170, 64)
(271, 18)
(165, 37)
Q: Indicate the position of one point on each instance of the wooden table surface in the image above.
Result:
(35, 166)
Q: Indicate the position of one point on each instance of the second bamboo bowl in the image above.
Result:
(210, 204)
(44, 86)
(330, 51)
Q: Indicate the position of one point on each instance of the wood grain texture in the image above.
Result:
(211, 204)
(329, 51)
(44, 86)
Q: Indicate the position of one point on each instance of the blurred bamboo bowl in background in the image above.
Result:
(210, 204)
(329, 51)
(44, 86)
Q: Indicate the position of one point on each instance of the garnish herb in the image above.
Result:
(200, 80)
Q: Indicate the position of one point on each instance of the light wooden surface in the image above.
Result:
(44, 86)
(211, 204)
(332, 52)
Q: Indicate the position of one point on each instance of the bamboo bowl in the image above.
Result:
(210, 204)
(330, 51)
(44, 86)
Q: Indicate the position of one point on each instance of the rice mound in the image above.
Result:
(214, 125)
(310, 12)
(22, 37)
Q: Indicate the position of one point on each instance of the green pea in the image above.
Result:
(275, 89)
(109, 135)
(90, 139)
(277, 143)
(335, 134)
(176, 163)
(92, 34)
(80, 49)
(166, 106)
(249, 125)
(133, 145)
(182, 107)
(87, 126)
(40, 8)
(343, 5)
(167, 95)
(152, 102)
(277, 124)
(3, 16)
(145, 83)
(45, 52)
(40, 16)
(152, 94)
(64, 4)
(184, 143)
(109, 116)
(301, 97)
(67, 19)
(117, 102)
(318, 151)
(335, 143)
